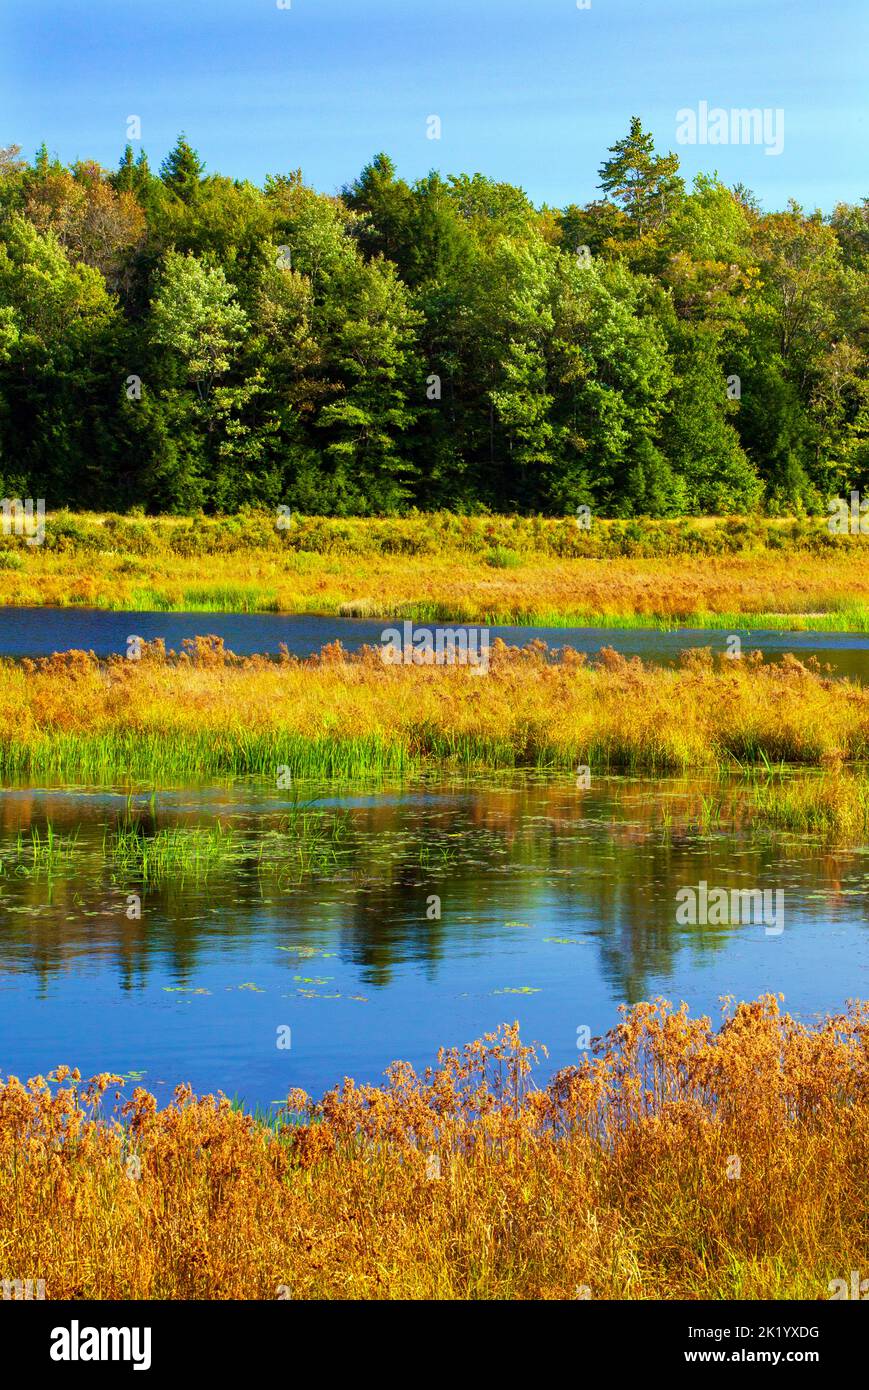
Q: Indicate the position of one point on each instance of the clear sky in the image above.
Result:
(529, 91)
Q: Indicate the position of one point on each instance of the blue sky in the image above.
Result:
(529, 91)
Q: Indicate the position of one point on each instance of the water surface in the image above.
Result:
(556, 906)
(41, 631)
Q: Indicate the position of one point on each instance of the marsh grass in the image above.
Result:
(306, 841)
(120, 754)
(39, 850)
(831, 808)
(732, 573)
(172, 853)
(828, 806)
(207, 713)
(616, 1178)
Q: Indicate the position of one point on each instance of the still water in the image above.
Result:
(41, 631)
(556, 905)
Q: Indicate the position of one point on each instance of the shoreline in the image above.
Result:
(854, 621)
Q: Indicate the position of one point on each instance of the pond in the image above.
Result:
(377, 922)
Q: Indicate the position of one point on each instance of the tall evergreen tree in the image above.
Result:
(645, 185)
(182, 169)
(125, 178)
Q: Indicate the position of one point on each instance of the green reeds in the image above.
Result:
(200, 755)
(851, 618)
(831, 807)
(305, 842)
(178, 852)
(38, 851)
(123, 755)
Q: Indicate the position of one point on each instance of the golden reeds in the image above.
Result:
(677, 1162)
(208, 712)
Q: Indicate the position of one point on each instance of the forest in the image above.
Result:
(179, 341)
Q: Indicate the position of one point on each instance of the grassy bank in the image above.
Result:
(207, 713)
(742, 572)
(679, 1162)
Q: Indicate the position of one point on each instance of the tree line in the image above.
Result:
(181, 341)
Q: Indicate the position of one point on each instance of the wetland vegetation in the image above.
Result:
(534, 571)
(617, 1179)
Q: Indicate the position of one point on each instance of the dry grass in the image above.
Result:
(679, 1162)
(207, 712)
(498, 569)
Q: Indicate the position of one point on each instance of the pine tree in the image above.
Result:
(182, 169)
(645, 185)
(125, 178)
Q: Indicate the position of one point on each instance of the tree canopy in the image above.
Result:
(186, 340)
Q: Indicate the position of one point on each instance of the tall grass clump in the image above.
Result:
(175, 852)
(833, 807)
(38, 850)
(207, 713)
(677, 1161)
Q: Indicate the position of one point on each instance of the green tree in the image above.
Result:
(196, 319)
(645, 185)
(195, 314)
(60, 332)
(699, 440)
(182, 170)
